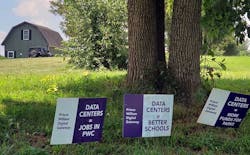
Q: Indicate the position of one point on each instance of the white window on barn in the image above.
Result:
(26, 34)
(11, 54)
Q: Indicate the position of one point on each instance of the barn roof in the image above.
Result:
(52, 37)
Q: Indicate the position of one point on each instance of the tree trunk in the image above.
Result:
(145, 40)
(185, 46)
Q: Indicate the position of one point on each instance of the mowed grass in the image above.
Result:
(32, 66)
(29, 89)
(237, 75)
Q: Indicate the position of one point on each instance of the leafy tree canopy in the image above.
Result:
(96, 30)
(222, 17)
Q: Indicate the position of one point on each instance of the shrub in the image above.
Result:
(231, 49)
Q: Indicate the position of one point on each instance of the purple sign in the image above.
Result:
(224, 109)
(147, 115)
(133, 109)
(234, 110)
(89, 120)
(78, 120)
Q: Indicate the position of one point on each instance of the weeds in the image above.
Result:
(27, 106)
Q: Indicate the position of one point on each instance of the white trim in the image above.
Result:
(26, 34)
(11, 52)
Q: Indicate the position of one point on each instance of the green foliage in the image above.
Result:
(231, 49)
(96, 30)
(210, 70)
(168, 18)
(27, 111)
(212, 67)
(222, 17)
(217, 19)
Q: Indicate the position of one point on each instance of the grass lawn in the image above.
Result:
(237, 75)
(29, 89)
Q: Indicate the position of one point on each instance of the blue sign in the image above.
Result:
(234, 110)
(225, 109)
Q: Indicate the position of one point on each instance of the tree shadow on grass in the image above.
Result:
(102, 86)
(90, 86)
(29, 116)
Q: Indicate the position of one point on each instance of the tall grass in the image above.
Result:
(29, 89)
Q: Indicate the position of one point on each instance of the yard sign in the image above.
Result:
(224, 109)
(147, 115)
(78, 120)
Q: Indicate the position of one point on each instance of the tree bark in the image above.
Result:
(146, 42)
(185, 46)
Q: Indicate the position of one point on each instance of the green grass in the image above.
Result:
(237, 75)
(29, 89)
(32, 66)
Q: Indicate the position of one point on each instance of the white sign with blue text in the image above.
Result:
(147, 115)
(224, 109)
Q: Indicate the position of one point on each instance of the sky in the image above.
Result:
(13, 12)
